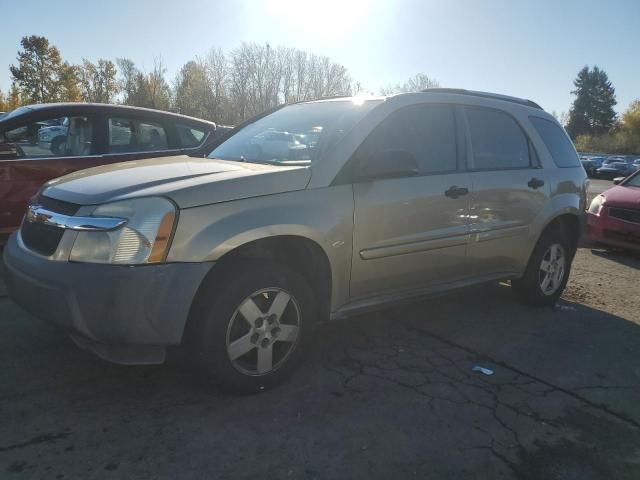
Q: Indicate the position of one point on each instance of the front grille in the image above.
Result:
(41, 238)
(626, 214)
(58, 206)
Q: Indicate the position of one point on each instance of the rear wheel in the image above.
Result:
(548, 270)
(251, 332)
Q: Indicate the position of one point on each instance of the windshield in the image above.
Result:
(633, 181)
(295, 134)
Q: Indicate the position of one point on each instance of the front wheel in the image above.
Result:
(548, 271)
(251, 332)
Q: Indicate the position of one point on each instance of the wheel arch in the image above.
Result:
(570, 223)
(300, 253)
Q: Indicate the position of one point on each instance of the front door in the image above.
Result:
(411, 232)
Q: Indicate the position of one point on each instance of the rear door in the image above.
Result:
(409, 233)
(509, 191)
(132, 137)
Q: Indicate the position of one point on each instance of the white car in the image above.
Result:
(54, 136)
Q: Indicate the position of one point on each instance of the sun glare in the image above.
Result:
(329, 19)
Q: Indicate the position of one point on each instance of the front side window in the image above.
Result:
(189, 136)
(425, 131)
(130, 135)
(497, 140)
(294, 134)
(52, 137)
(557, 142)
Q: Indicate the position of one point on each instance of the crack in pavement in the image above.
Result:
(620, 416)
(46, 438)
(439, 370)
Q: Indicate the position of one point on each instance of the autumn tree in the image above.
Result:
(592, 110)
(38, 69)
(69, 83)
(192, 94)
(14, 99)
(158, 88)
(98, 81)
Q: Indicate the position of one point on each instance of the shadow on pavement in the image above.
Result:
(624, 257)
(386, 395)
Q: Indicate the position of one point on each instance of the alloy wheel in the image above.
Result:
(552, 269)
(263, 331)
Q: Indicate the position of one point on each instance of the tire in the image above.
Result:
(532, 288)
(56, 145)
(220, 328)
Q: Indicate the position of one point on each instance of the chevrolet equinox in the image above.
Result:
(312, 211)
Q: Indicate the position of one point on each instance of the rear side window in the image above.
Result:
(557, 142)
(189, 136)
(129, 135)
(497, 140)
(427, 131)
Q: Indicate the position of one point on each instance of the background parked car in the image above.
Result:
(590, 164)
(613, 168)
(41, 142)
(614, 216)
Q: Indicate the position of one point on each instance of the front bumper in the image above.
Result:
(125, 314)
(613, 231)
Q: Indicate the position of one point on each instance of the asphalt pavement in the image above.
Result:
(391, 394)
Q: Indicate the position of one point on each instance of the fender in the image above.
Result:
(322, 215)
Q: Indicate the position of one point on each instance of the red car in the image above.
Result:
(41, 142)
(613, 217)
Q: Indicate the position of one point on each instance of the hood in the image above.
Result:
(621, 196)
(186, 180)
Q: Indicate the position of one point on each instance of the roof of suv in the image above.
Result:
(455, 91)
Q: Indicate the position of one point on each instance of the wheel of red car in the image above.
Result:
(547, 272)
(251, 332)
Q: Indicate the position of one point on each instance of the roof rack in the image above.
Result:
(473, 93)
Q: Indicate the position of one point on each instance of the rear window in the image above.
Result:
(189, 136)
(557, 142)
(497, 140)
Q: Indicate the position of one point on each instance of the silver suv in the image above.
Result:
(237, 256)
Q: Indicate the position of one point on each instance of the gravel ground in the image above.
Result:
(386, 395)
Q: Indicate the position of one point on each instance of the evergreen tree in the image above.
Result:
(38, 69)
(592, 111)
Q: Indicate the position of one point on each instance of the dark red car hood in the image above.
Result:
(622, 196)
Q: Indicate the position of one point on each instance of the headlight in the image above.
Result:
(596, 204)
(143, 239)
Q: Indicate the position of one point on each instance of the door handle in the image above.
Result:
(455, 191)
(535, 183)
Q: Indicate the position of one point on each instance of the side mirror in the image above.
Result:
(618, 180)
(386, 164)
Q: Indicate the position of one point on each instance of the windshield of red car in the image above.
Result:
(633, 181)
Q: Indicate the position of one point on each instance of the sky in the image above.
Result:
(526, 48)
